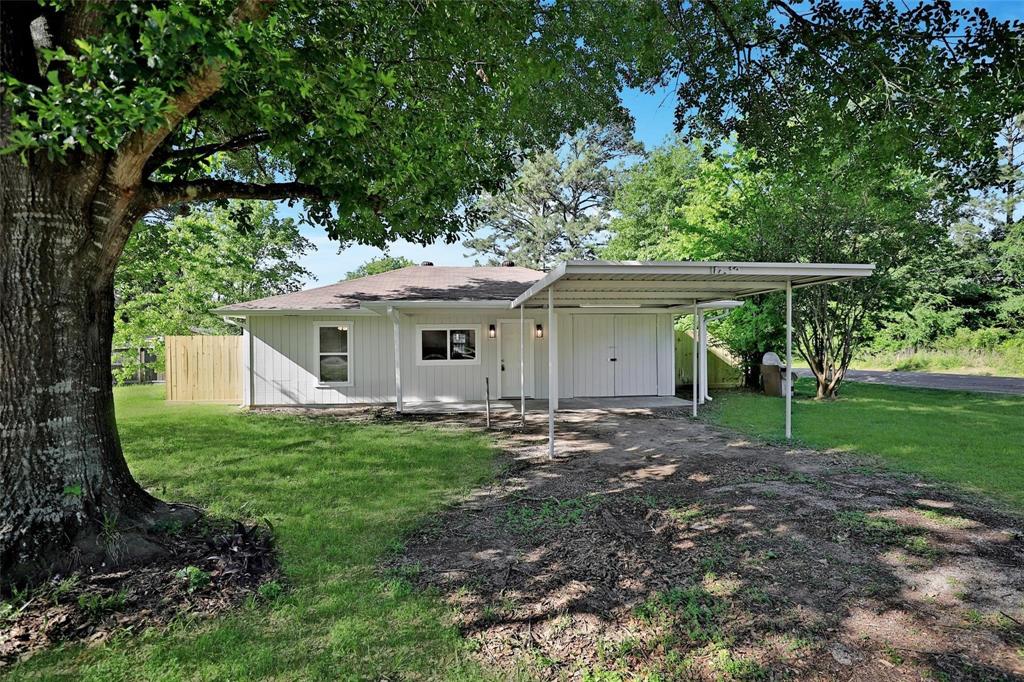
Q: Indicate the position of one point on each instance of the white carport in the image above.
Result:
(682, 286)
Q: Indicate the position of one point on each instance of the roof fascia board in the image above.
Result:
(645, 285)
(784, 270)
(611, 307)
(383, 305)
(821, 272)
(265, 312)
(685, 294)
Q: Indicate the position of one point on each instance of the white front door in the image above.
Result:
(593, 358)
(508, 358)
(615, 355)
(636, 355)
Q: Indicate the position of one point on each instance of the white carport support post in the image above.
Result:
(552, 373)
(393, 314)
(702, 373)
(522, 367)
(789, 359)
(696, 352)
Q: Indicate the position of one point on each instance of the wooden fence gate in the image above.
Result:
(204, 368)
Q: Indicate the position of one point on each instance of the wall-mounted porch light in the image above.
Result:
(491, 331)
(540, 331)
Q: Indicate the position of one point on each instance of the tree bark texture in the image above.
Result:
(62, 229)
(62, 471)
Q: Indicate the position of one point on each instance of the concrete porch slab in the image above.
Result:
(564, 405)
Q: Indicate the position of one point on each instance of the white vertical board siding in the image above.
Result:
(540, 349)
(246, 360)
(448, 383)
(636, 355)
(594, 337)
(666, 355)
(285, 365)
(284, 362)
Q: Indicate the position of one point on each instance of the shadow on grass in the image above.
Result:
(668, 548)
(970, 439)
(339, 496)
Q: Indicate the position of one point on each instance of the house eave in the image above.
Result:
(366, 308)
(264, 312)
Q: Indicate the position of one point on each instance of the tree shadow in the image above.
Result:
(657, 545)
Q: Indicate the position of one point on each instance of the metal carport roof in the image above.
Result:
(676, 283)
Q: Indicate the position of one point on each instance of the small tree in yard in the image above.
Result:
(841, 214)
(175, 270)
(382, 117)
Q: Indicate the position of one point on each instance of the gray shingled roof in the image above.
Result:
(414, 283)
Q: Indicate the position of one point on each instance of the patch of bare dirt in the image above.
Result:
(653, 544)
(198, 571)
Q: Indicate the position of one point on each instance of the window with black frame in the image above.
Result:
(448, 345)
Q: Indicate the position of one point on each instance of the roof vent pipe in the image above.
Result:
(426, 264)
(508, 263)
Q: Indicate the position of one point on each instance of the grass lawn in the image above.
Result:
(339, 495)
(973, 440)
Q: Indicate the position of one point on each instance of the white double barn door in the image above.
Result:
(615, 355)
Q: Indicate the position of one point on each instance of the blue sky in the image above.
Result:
(654, 114)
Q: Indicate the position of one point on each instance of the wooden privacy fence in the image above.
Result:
(204, 368)
(723, 371)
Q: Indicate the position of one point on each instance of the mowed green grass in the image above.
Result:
(339, 495)
(971, 439)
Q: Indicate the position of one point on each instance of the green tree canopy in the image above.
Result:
(919, 85)
(375, 266)
(683, 204)
(557, 206)
(174, 272)
(681, 200)
(381, 116)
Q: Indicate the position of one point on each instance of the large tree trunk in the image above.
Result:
(62, 472)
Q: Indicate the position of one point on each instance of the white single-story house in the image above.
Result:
(426, 334)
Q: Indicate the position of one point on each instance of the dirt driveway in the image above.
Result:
(657, 546)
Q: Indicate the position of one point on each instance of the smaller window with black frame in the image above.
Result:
(447, 344)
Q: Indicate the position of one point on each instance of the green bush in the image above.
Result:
(990, 350)
(1012, 351)
(986, 338)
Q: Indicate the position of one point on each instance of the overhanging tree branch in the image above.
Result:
(127, 168)
(233, 144)
(117, 199)
(160, 194)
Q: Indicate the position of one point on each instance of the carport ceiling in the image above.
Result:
(661, 284)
